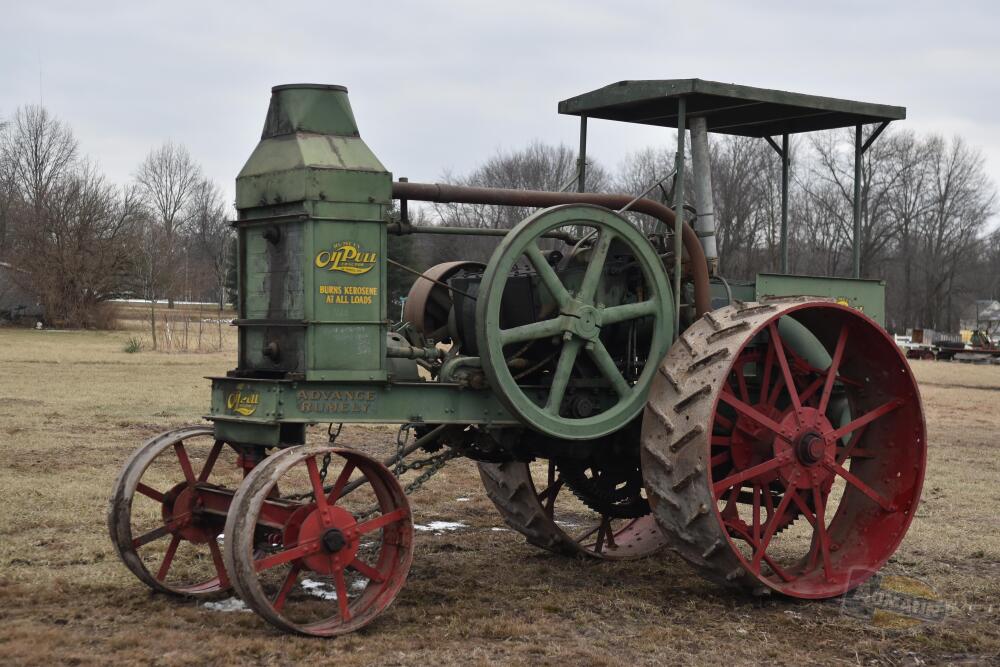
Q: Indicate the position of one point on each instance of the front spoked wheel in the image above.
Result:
(327, 555)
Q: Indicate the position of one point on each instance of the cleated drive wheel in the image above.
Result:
(316, 560)
(554, 519)
(742, 436)
(168, 509)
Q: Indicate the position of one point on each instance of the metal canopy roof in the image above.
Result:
(728, 108)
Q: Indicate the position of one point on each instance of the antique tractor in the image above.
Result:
(618, 395)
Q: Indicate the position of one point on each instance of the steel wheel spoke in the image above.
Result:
(741, 383)
(831, 373)
(279, 599)
(756, 513)
(786, 372)
(628, 311)
(600, 356)
(341, 585)
(719, 459)
(213, 455)
(319, 494)
(379, 522)
(560, 379)
(533, 331)
(595, 266)
(168, 558)
(588, 533)
(819, 527)
(852, 444)
(866, 418)
(149, 492)
(772, 526)
(547, 275)
(220, 567)
(338, 486)
(290, 554)
(185, 462)
(751, 412)
(367, 570)
(885, 503)
(766, 379)
(161, 531)
(754, 471)
(804, 509)
(811, 390)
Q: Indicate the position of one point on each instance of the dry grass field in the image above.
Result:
(73, 405)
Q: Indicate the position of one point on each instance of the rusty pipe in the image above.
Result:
(460, 194)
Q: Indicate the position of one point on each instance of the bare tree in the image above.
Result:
(168, 179)
(213, 235)
(961, 200)
(37, 150)
(78, 248)
(539, 166)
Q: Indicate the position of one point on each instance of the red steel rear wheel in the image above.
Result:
(742, 438)
(328, 554)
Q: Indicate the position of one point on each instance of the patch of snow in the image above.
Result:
(500, 530)
(319, 589)
(440, 525)
(462, 500)
(227, 605)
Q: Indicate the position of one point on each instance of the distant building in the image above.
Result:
(16, 303)
(983, 314)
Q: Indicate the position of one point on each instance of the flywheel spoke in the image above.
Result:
(560, 379)
(532, 331)
(600, 356)
(319, 493)
(547, 275)
(595, 266)
(628, 311)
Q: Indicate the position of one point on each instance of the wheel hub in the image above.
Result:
(185, 501)
(587, 323)
(333, 540)
(334, 530)
(805, 448)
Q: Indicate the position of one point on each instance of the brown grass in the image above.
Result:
(73, 405)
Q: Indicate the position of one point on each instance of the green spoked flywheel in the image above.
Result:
(606, 319)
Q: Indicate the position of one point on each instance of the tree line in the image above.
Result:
(78, 240)
(927, 206)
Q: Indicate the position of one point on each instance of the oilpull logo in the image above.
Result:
(347, 257)
(243, 402)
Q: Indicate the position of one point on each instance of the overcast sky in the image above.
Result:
(439, 86)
